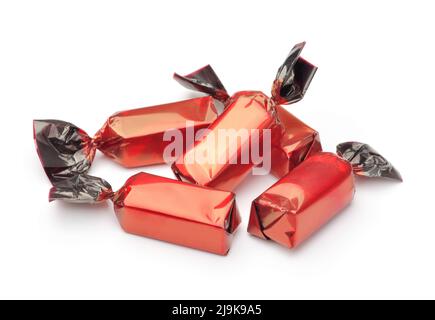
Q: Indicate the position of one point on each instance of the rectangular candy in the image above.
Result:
(303, 200)
(135, 137)
(177, 212)
(315, 191)
(147, 205)
(132, 138)
(212, 161)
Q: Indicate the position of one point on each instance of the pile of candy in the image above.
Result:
(199, 209)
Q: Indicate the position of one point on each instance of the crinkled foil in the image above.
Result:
(366, 161)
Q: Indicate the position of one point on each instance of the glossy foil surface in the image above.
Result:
(177, 212)
(303, 200)
(295, 142)
(134, 138)
(246, 110)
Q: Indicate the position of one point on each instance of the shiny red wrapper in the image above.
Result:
(294, 142)
(245, 111)
(132, 138)
(303, 200)
(314, 192)
(161, 208)
(177, 212)
(135, 137)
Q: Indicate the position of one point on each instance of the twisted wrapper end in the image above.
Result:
(63, 148)
(293, 77)
(81, 188)
(66, 153)
(366, 161)
(204, 80)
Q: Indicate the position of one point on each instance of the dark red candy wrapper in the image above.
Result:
(314, 192)
(245, 110)
(132, 138)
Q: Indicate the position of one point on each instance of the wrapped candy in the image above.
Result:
(315, 191)
(225, 170)
(202, 214)
(295, 143)
(162, 208)
(132, 138)
(249, 115)
(149, 205)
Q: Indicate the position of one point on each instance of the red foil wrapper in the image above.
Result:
(292, 143)
(302, 201)
(314, 192)
(132, 138)
(246, 110)
(176, 212)
(135, 137)
(147, 205)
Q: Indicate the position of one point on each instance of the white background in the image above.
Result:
(80, 61)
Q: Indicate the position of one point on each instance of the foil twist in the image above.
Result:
(366, 161)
